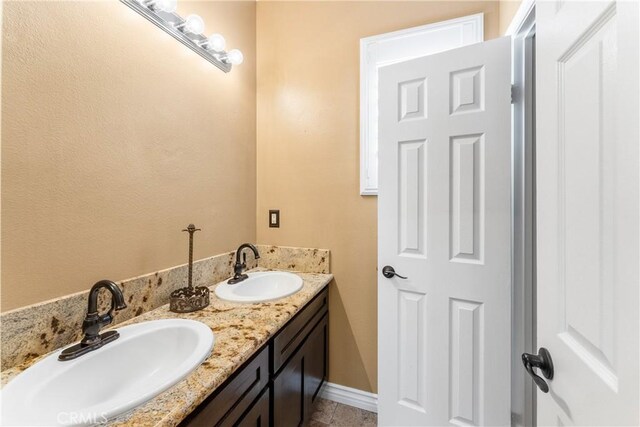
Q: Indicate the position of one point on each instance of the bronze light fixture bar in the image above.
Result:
(177, 27)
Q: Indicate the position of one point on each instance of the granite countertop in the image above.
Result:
(240, 329)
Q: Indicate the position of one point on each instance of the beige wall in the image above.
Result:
(508, 9)
(308, 141)
(114, 138)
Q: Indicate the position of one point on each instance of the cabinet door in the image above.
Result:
(258, 413)
(288, 392)
(298, 384)
(315, 364)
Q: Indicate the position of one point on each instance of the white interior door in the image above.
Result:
(444, 223)
(587, 210)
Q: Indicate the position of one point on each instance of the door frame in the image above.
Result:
(522, 31)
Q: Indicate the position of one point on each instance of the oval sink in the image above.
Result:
(260, 287)
(146, 360)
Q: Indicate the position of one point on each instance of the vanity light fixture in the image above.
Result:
(187, 31)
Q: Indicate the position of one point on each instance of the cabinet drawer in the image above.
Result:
(296, 330)
(226, 406)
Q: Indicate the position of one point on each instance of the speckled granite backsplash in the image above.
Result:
(294, 259)
(38, 329)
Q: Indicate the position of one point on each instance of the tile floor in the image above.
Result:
(328, 413)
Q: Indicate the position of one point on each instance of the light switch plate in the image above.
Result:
(274, 218)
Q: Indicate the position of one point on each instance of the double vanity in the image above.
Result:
(257, 355)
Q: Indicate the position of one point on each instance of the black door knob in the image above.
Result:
(541, 361)
(389, 272)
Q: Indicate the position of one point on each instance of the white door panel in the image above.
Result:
(587, 217)
(444, 222)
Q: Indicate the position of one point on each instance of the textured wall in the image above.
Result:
(308, 142)
(508, 9)
(115, 137)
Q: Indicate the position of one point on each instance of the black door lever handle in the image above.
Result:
(389, 272)
(541, 361)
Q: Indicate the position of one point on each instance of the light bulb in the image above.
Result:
(168, 6)
(194, 24)
(216, 42)
(235, 57)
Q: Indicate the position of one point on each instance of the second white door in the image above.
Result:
(588, 211)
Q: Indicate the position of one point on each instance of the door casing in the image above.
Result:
(522, 31)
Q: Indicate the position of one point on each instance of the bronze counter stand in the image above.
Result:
(188, 299)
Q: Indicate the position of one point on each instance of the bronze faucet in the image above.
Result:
(238, 267)
(94, 322)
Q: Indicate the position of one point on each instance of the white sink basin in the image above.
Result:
(147, 359)
(260, 287)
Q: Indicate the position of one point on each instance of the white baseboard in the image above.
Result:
(350, 396)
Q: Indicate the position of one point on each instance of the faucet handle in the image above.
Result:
(106, 318)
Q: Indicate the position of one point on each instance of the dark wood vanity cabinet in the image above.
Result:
(279, 384)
